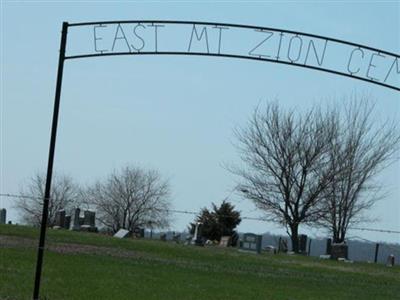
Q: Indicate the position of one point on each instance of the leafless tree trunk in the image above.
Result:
(285, 169)
(64, 195)
(131, 198)
(359, 150)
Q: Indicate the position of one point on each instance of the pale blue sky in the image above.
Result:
(175, 114)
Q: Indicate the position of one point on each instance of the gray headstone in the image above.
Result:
(339, 251)
(67, 222)
(251, 242)
(3, 216)
(138, 232)
(89, 218)
(122, 233)
(390, 260)
(225, 241)
(283, 245)
(75, 224)
(303, 243)
(60, 218)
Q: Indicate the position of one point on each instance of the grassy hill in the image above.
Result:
(91, 266)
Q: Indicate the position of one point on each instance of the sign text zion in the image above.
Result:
(265, 44)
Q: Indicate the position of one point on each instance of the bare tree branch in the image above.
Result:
(130, 198)
(286, 168)
(64, 195)
(359, 150)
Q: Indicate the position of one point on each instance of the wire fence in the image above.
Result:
(196, 213)
(360, 249)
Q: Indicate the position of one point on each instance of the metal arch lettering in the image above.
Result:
(291, 48)
(316, 52)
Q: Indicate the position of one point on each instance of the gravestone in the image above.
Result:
(225, 241)
(251, 242)
(3, 216)
(67, 222)
(122, 233)
(60, 219)
(270, 248)
(339, 251)
(302, 243)
(197, 238)
(75, 219)
(390, 260)
(89, 218)
(88, 222)
(283, 246)
(138, 232)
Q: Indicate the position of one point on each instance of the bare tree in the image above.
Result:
(285, 167)
(64, 195)
(130, 198)
(359, 150)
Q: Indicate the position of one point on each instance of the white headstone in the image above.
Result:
(122, 233)
(195, 238)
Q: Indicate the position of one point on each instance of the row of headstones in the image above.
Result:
(198, 239)
(303, 240)
(340, 251)
(333, 250)
(75, 221)
(3, 215)
(253, 242)
(250, 242)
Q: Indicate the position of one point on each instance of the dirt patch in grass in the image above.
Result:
(16, 242)
(64, 248)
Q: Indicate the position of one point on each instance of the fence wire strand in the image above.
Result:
(177, 211)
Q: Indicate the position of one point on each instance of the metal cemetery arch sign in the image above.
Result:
(154, 37)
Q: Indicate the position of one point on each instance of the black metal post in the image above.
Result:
(376, 252)
(45, 211)
(279, 244)
(328, 246)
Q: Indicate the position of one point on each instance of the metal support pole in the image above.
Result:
(45, 211)
(279, 244)
(376, 252)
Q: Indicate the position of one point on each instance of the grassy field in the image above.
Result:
(90, 266)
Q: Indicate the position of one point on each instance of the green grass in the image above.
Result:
(90, 266)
